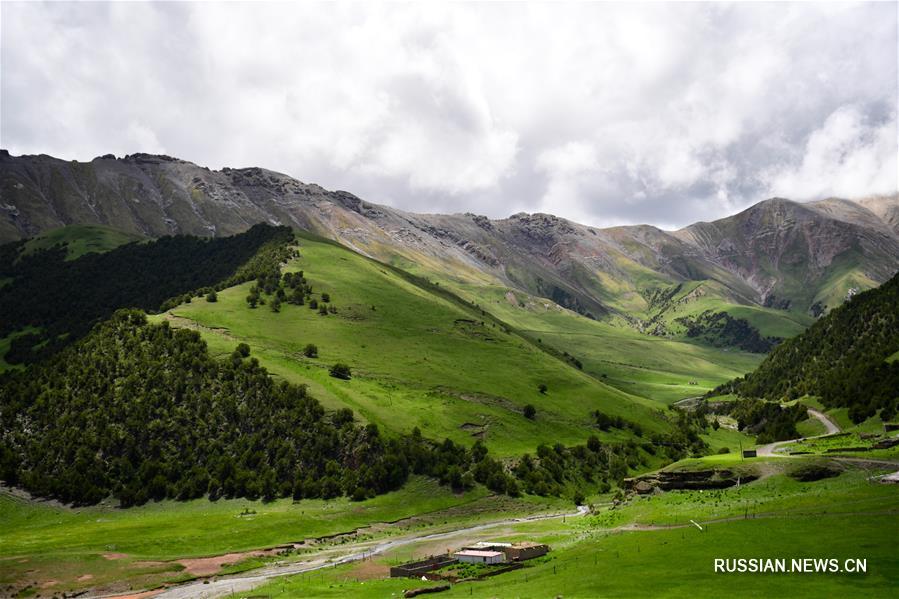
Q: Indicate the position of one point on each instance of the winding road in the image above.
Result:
(832, 428)
(224, 586)
(247, 581)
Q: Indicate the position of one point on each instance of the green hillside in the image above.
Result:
(843, 359)
(81, 239)
(662, 369)
(57, 299)
(141, 411)
(420, 357)
(665, 366)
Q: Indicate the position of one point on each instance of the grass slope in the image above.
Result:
(656, 368)
(81, 239)
(419, 357)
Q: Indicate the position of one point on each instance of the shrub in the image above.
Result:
(340, 371)
(542, 388)
(310, 351)
(530, 412)
(212, 297)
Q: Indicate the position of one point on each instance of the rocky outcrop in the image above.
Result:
(688, 480)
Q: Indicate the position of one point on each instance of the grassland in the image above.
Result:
(661, 369)
(420, 358)
(648, 547)
(43, 542)
(661, 563)
(664, 369)
(5, 343)
(81, 239)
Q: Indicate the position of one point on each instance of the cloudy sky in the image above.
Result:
(602, 113)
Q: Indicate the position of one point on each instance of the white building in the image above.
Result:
(474, 556)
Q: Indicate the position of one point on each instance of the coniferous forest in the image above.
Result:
(843, 358)
(141, 411)
(62, 299)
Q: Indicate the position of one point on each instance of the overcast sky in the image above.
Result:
(602, 113)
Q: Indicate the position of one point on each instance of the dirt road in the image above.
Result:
(329, 558)
(831, 427)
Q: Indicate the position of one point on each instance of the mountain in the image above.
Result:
(141, 408)
(847, 358)
(778, 254)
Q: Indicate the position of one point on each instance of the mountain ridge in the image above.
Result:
(777, 253)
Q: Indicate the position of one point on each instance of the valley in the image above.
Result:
(497, 380)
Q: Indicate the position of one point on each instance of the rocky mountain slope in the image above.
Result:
(778, 253)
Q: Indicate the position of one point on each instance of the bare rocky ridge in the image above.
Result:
(777, 253)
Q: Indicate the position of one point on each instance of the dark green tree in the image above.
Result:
(340, 371)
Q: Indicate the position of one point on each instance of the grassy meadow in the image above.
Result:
(465, 370)
(418, 358)
(661, 369)
(649, 547)
(42, 542)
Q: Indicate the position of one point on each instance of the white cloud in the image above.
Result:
(847, 157)
(663, 113)
(573, 158)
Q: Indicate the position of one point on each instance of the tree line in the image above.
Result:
(63, 299)
(723, 330)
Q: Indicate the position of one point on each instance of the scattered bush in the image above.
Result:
(340, 371)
